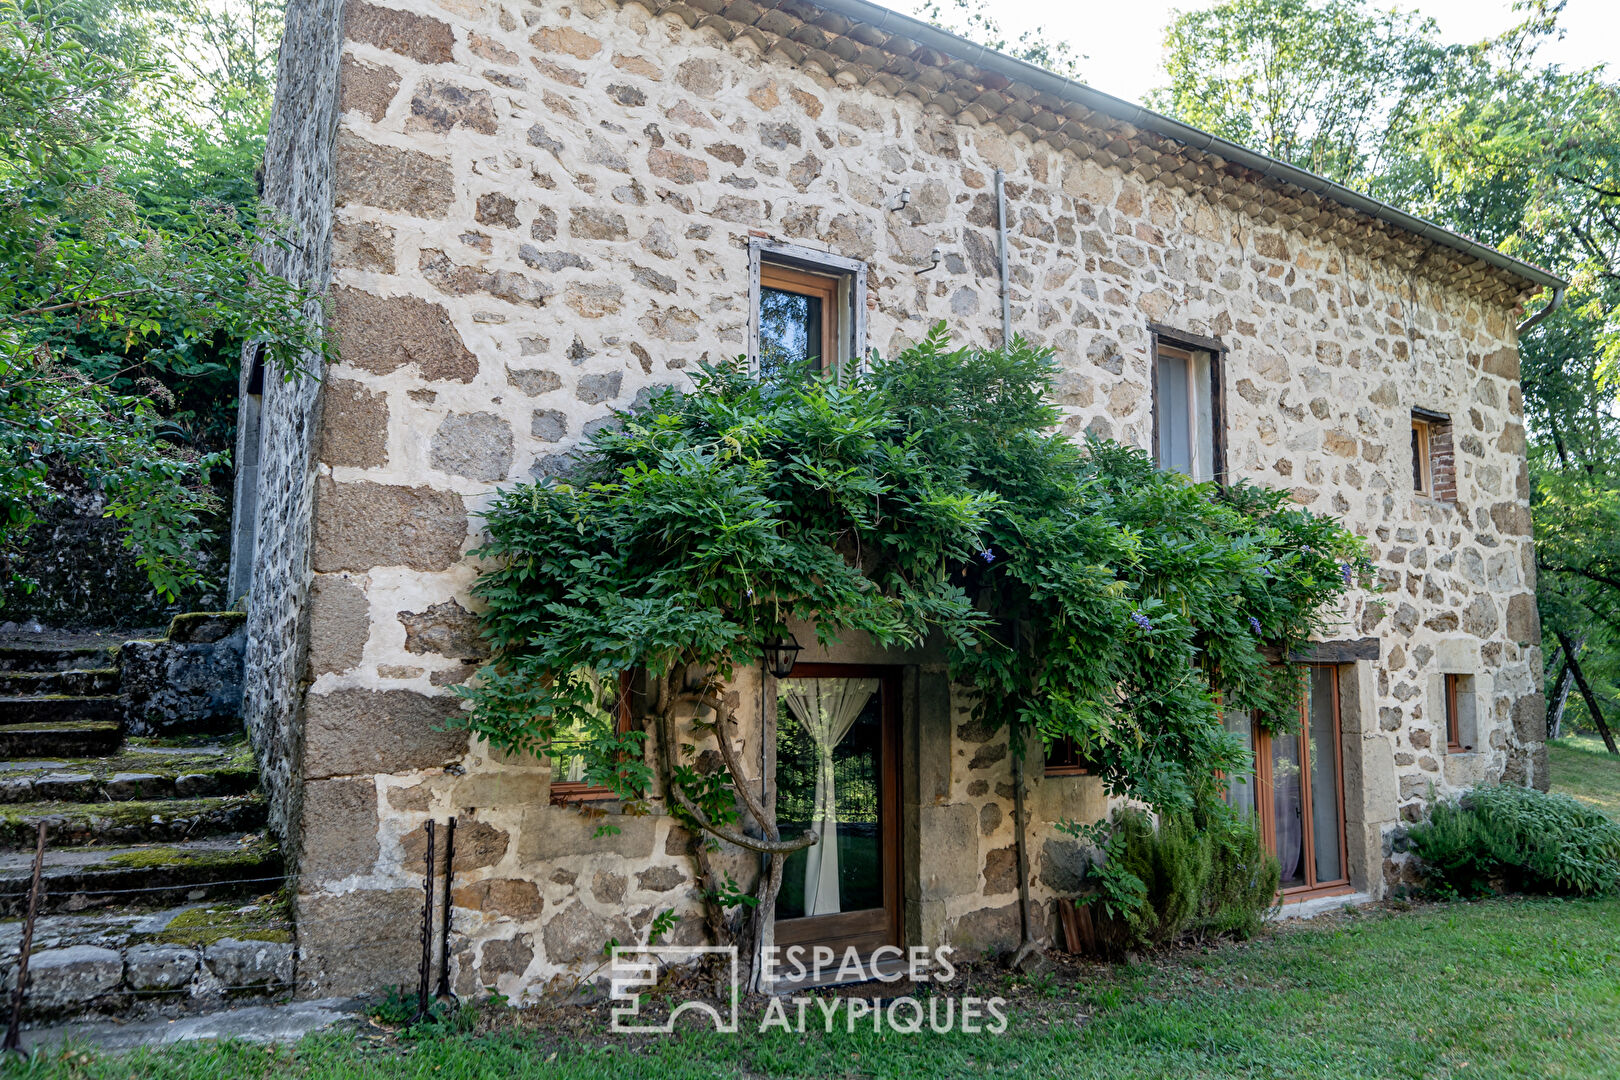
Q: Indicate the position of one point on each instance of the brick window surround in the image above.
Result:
(1435, 442)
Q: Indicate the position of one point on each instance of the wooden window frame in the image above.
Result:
(1169, 338)
(824, 287)
(578, 791)
(1265, 806)
(1422, 463)
(771, 256)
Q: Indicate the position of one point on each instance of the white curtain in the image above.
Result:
(826, 709)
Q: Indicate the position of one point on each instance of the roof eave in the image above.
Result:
(1044, 81)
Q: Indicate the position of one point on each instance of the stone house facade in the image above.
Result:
(531, 214)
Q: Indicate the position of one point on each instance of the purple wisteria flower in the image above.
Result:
(1349, 574)
(987, 555)
(1142, 620)
(1254, 624)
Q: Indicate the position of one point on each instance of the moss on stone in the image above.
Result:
(147, 857)
(215, 922)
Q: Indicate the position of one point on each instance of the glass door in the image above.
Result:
(836, 777)
(1298, 791)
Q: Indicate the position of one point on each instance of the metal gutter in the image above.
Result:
(1043, 81)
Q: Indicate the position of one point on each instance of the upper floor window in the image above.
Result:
(1433, 466)
(1185, 406)
(808, 308)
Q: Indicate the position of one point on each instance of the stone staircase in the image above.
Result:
(159, 885)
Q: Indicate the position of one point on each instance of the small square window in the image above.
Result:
(1184, 415)
(568, 783)
(807, 308)
(1433, 469)
(1063, 758)
(799, 325)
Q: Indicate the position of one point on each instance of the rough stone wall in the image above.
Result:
(85, 578)
(298, 183)
(541, 212)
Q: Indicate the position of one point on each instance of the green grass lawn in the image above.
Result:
(1502, 988)
(1582, 767)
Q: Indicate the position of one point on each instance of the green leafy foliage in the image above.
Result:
(1328, 85)
(1204, 872)
(1521, 839)
(111, 288)
(1082, 592)
(1491, 140)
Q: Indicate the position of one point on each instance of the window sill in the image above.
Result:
(569, 796)
(1318, 892)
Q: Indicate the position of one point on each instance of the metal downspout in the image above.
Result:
(1001, 245)
(1553, 305)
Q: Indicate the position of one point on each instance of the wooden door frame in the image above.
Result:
(890, 687)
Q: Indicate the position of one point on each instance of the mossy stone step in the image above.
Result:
(138, 772)
(58, 683)
(74, 739)
(60, 709)
(143, 821)
(77, 879)
(47, 655)
(264, 918)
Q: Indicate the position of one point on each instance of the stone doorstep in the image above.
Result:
(79, 681)
(56, 710)
(1320, 905)
(80, 878)
(47, 654)
(60, 740)
(142, 776)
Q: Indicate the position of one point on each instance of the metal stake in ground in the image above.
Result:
(427, 930)
(443, 993)
(13, 1043)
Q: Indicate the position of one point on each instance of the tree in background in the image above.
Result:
(1488, 140)
(104, 291)
(972, 19)
(1329, 86)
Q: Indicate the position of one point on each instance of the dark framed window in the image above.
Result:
(568, 784)
(1297, 791)
(1063, 758)
(1188, 411)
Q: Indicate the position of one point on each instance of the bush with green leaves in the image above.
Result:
(1507, 837)
(1077, 590)
(1204, 872)
(104, 296)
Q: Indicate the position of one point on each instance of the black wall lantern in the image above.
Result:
(780, 654)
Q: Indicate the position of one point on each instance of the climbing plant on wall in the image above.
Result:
(1079, 591)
